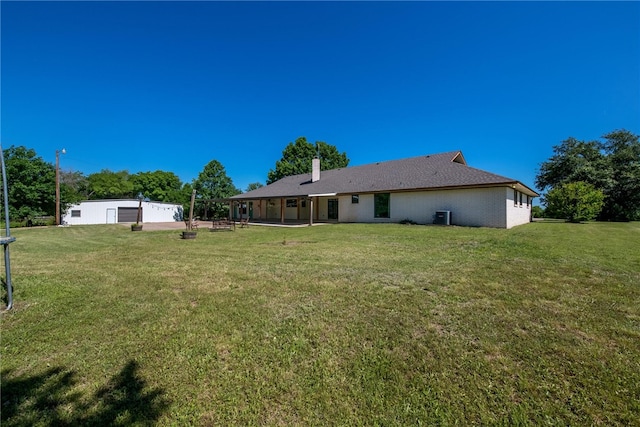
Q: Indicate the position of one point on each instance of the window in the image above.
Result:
(528, 201)
(515, 197)
(75, 214)
(520, 199)
(381, 205)
(355, 198)
(303, 203)
(292, 203)
(332, 209)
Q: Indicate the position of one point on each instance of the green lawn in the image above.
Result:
(347, 324)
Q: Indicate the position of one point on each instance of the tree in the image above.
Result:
(213, 183)
(110, 185)
(623, 198)
(184, 198)
(575, 202)
(573, 161)
(537, 212)
(253, 186)
(612, 166)
(74, 187)
(30, 183)
(159, 185)
(297, 159)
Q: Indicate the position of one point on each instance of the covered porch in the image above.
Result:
(293, 211)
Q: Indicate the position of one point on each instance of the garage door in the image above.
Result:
(128, 214)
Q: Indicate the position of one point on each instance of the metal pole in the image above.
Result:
(57, 187)
(7, 239)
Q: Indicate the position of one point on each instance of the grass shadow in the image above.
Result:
(4, 295)
(49, 399)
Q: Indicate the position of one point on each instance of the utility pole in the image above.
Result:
(58, 184)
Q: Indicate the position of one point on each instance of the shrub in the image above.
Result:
(537, 212)
(575, 202)
(408, 221)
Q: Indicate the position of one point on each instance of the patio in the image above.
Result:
(205, 225)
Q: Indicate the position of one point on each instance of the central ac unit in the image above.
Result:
(443, 218)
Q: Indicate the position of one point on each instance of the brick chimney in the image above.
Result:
(315, 169)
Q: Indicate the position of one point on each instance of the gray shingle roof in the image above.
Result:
(444, 170)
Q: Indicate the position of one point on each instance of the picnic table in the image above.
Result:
(223, 224)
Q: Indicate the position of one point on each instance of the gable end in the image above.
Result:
(459, 158)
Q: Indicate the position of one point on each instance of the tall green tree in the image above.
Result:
(213, 183)
(160, 186)
(574, 201)
(623, 197)
(184, 198)
(30, 184)
(253, 186)
(611, 166)
(297, 159)
(74, 187)
(107, 184)
(574, 161)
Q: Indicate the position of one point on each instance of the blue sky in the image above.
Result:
(144, 86)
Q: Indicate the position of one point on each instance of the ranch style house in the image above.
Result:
(433, 189)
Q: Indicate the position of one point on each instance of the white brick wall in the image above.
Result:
(517, 213)
(478, 207)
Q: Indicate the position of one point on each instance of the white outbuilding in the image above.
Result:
(121, 211)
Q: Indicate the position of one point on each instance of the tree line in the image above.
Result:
(583, 180)
(31, 181)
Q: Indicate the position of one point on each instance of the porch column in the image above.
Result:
(281, 210)
(310, 210)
